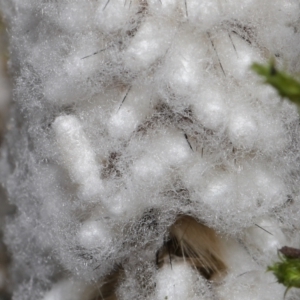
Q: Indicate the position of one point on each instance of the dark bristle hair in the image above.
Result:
(188, 240)
(196, 244)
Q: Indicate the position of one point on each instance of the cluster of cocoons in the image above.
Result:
(130, 113)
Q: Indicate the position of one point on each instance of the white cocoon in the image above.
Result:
(124, 205)
(186, 63)
(219, 190)
(147, 46)
(130, 112)
(210, 109)
(93, 234)
(177, 281)
(121, 205)
(242, 128)
(78, 156)
(148, 168)
(170, 148)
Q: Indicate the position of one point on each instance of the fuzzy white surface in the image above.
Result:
(129, 112)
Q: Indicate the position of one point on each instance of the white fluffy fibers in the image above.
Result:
(130, 113)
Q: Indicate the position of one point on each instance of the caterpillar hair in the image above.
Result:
(187, 240)
(196, 244)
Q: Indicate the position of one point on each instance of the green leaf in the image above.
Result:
(286, 85)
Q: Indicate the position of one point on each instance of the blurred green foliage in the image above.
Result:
(286, 85)
(287, 271)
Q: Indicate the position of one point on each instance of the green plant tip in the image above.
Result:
(286, 85)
